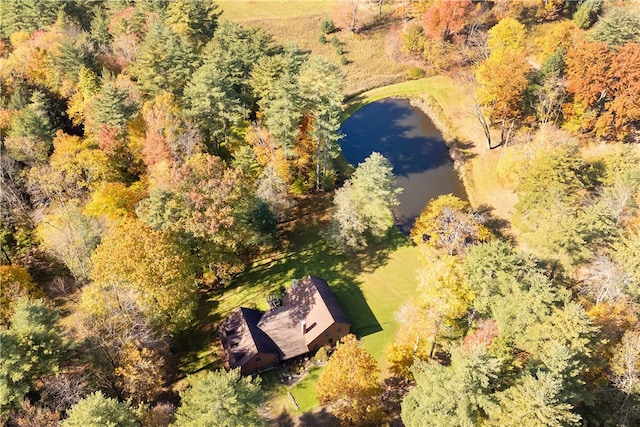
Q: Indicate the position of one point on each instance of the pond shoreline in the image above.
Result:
(419, 95)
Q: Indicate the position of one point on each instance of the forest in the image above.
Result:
(165, 161)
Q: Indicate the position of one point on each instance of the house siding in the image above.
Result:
(330, 336)
(258, 362)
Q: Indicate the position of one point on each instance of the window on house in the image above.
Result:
(257, 359)
(330, 340)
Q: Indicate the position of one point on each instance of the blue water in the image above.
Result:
(409, 140)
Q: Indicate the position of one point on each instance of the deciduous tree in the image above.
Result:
(507, 35)
(446, 224)
(141, 372)
(134, 256)
(350, 384)
(414, 340)
(502, 80)
(16, 285)
(443, 19)
(71, 237)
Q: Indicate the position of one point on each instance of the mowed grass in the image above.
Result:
(305, 392)
(371, 286)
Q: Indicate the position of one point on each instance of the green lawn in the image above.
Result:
(305, 391)
(402, 89)
(371, 286)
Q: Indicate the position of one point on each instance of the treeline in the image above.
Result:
(572, 64)
(149, 150)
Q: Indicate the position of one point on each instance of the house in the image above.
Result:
(310, 317)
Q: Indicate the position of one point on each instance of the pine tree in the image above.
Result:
(455, 395)
(31, 347)
(221, 399)
(97, 410)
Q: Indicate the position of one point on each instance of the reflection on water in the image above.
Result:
(407, 137)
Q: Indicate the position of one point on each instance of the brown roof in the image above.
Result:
(315, 304)
(241, 337)
(280, 330)
(285, 333)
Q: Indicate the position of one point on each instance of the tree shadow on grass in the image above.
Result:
(306, 253)
(320, 418)
(498, 226)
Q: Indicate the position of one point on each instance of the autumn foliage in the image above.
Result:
(350, 385)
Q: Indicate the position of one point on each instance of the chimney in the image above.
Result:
(304, 326)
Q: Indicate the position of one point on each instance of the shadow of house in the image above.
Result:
(309, 318)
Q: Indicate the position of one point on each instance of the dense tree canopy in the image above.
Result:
(152, 151)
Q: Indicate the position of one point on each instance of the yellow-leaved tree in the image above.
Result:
(148, 262)
(448, 225)
(350, 385)
(15, 283)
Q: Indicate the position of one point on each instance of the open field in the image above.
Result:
(248, 10)
(369, 54)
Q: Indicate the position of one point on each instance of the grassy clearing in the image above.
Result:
(368, 54)
(248, 10)
(402, 89)
(370, 286)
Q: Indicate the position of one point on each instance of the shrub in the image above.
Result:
(340, 50)
(343, 60)
(413, 41)
(415, 73)
(322, 39)
(335, 41)
(321, 355)
(327, 26)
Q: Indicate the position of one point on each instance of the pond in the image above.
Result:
(407, 137)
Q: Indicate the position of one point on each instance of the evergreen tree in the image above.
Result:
(213, 103)
(618, 27)
(31, 347)
(27, 15)
(196, 20)
(97, 410)
(31, 133)
(362, 207)
(165, 61)
(221, 399)
(456, 395)
(111, 106)
(321, 84)
(536, 400)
